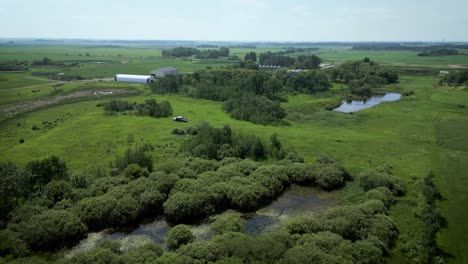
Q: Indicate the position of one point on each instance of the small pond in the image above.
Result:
(355, 106)
(297, 200)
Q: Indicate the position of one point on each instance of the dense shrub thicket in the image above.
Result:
(361, 233)
(421, 246)
(455, 78)
(148, 108)
(244, 185)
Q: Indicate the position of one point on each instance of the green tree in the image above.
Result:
(228, 222)
(178, 236)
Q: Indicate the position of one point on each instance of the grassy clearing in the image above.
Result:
(397, 58)
(21, 79)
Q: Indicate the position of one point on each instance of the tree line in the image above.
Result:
(14, 65)
(438, 52)
(149, 108)
(299, 62)
(197, 53)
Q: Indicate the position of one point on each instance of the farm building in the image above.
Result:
(163, 72)
(134, 78)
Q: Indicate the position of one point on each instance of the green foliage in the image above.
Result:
(178, 131)
(49, 229)
(11, 244)
(199, 54)
(167, 84)
(201, 252)
(149, 108)
(382, 194)
(15, 185)
(118, 106)
(144, 254)
(455, 78)
(303, 225)
(220, 143)
(309, 82)
(57, 190)
(14, 65)
(140, 154)
(301, 62)
(134, 171)
(178, 236)
(43, 171)
(114, 208)
(256, 109)
(229, 222)
(362, 76)
(373, 178)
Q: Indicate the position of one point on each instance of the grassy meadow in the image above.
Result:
(419, 133)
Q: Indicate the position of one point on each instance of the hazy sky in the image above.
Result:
(244, 20)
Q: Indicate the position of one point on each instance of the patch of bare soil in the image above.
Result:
(456, 66)
(22, 107)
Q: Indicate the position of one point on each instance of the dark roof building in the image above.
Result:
(163, 72)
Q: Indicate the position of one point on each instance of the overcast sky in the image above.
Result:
(241, 20)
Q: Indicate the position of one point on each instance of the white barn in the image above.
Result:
(134, 78)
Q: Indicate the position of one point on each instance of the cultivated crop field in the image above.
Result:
(424, 131)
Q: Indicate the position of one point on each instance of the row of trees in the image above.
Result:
(14, 65)
(438, 52)
(149, 108)
(199, 54)
(300, 62)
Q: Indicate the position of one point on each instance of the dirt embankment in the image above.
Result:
(14, 109)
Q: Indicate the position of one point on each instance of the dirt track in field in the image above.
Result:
(18, 108)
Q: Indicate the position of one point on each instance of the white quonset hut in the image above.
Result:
(134, 78)
(163, 72)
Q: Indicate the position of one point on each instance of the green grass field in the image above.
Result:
(422, 132)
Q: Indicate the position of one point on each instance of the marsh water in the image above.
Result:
(356, 105)
(295, 201)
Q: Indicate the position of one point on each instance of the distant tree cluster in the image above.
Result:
(300, 62)
(14, 65)
(253, 95)
(149, 108)
(46, 62)
(199, 54)
(438, 52)
(362, 76)
(180, 52)
(455, 78)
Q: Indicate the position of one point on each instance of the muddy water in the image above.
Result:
(297, 200)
